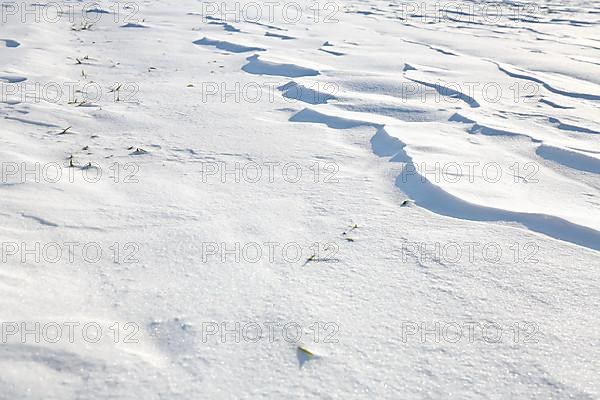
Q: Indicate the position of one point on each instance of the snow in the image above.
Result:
(372, 199)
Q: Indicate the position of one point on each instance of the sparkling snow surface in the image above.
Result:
(289, 200)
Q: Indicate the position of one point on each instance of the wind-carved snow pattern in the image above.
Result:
(387, 134)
